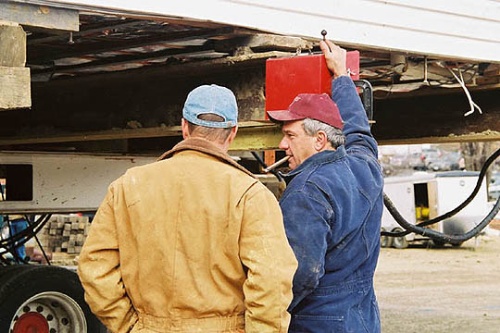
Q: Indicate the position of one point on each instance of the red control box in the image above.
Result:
(290, 76)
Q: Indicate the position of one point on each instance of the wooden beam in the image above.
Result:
(255, 134)
(18, 92)
(40, 16)
(258, 41)
(13, 46)
(15, 83)
(187, 69)
(79, 50)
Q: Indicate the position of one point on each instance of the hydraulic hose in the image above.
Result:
(433, 234)
(439, 236)
(8, 244)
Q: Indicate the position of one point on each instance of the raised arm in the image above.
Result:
(345, 95)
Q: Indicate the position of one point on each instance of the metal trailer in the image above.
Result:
(423, 196)
(48, 182)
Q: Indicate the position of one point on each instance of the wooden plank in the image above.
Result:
(198, 68)
(261, 134)
(487, 80)
(492, 70)
(259, 41)
(40, 16)
(18, 91)
(13, 46)
(269, 157)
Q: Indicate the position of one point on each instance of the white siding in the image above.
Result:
(454, 29)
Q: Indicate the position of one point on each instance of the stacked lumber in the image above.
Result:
(65, 233)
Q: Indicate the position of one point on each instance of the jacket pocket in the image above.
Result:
(317, 324)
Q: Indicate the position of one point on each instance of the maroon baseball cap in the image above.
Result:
(315, 106)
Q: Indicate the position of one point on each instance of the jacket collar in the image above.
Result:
(323, 157)
(204, 146)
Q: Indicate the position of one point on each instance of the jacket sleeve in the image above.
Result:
(356, 126)
(99, 272)
(270, 263)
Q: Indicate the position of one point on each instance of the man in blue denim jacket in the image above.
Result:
(332, 206)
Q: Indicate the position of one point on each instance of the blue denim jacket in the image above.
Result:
(332, 208)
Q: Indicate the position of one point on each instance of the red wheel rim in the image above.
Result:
(31, 322)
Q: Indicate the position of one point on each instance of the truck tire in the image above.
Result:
(37, 298)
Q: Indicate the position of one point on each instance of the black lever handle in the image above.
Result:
(366, 96)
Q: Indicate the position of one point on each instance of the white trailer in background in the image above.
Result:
(424, 196)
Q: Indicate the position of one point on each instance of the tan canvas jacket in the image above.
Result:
(190, 243)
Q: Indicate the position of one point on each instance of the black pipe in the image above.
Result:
(439, 236)
(436, 235)
(264, 165)
(6, 245)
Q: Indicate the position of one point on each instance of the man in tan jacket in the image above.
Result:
(192, 242)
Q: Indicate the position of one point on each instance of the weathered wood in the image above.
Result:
(197, 68)
(492, 70)
(266, 42)
(15, 88)
(40, 16)
(437, 118)
(487, 80)
(251, 134)
(13, 46)
(100, 103)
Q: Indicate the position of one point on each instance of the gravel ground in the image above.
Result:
(445, 289)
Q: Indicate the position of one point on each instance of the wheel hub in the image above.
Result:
(31, 322)
(49, 312)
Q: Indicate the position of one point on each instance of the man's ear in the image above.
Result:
(232, 135)
(185, 129)
(320, 141)
(229, 139)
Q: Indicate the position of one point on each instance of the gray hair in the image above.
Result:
(334, 135)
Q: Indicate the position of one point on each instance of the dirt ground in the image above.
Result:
(437, 290)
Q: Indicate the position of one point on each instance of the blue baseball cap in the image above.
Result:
(211, 99)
